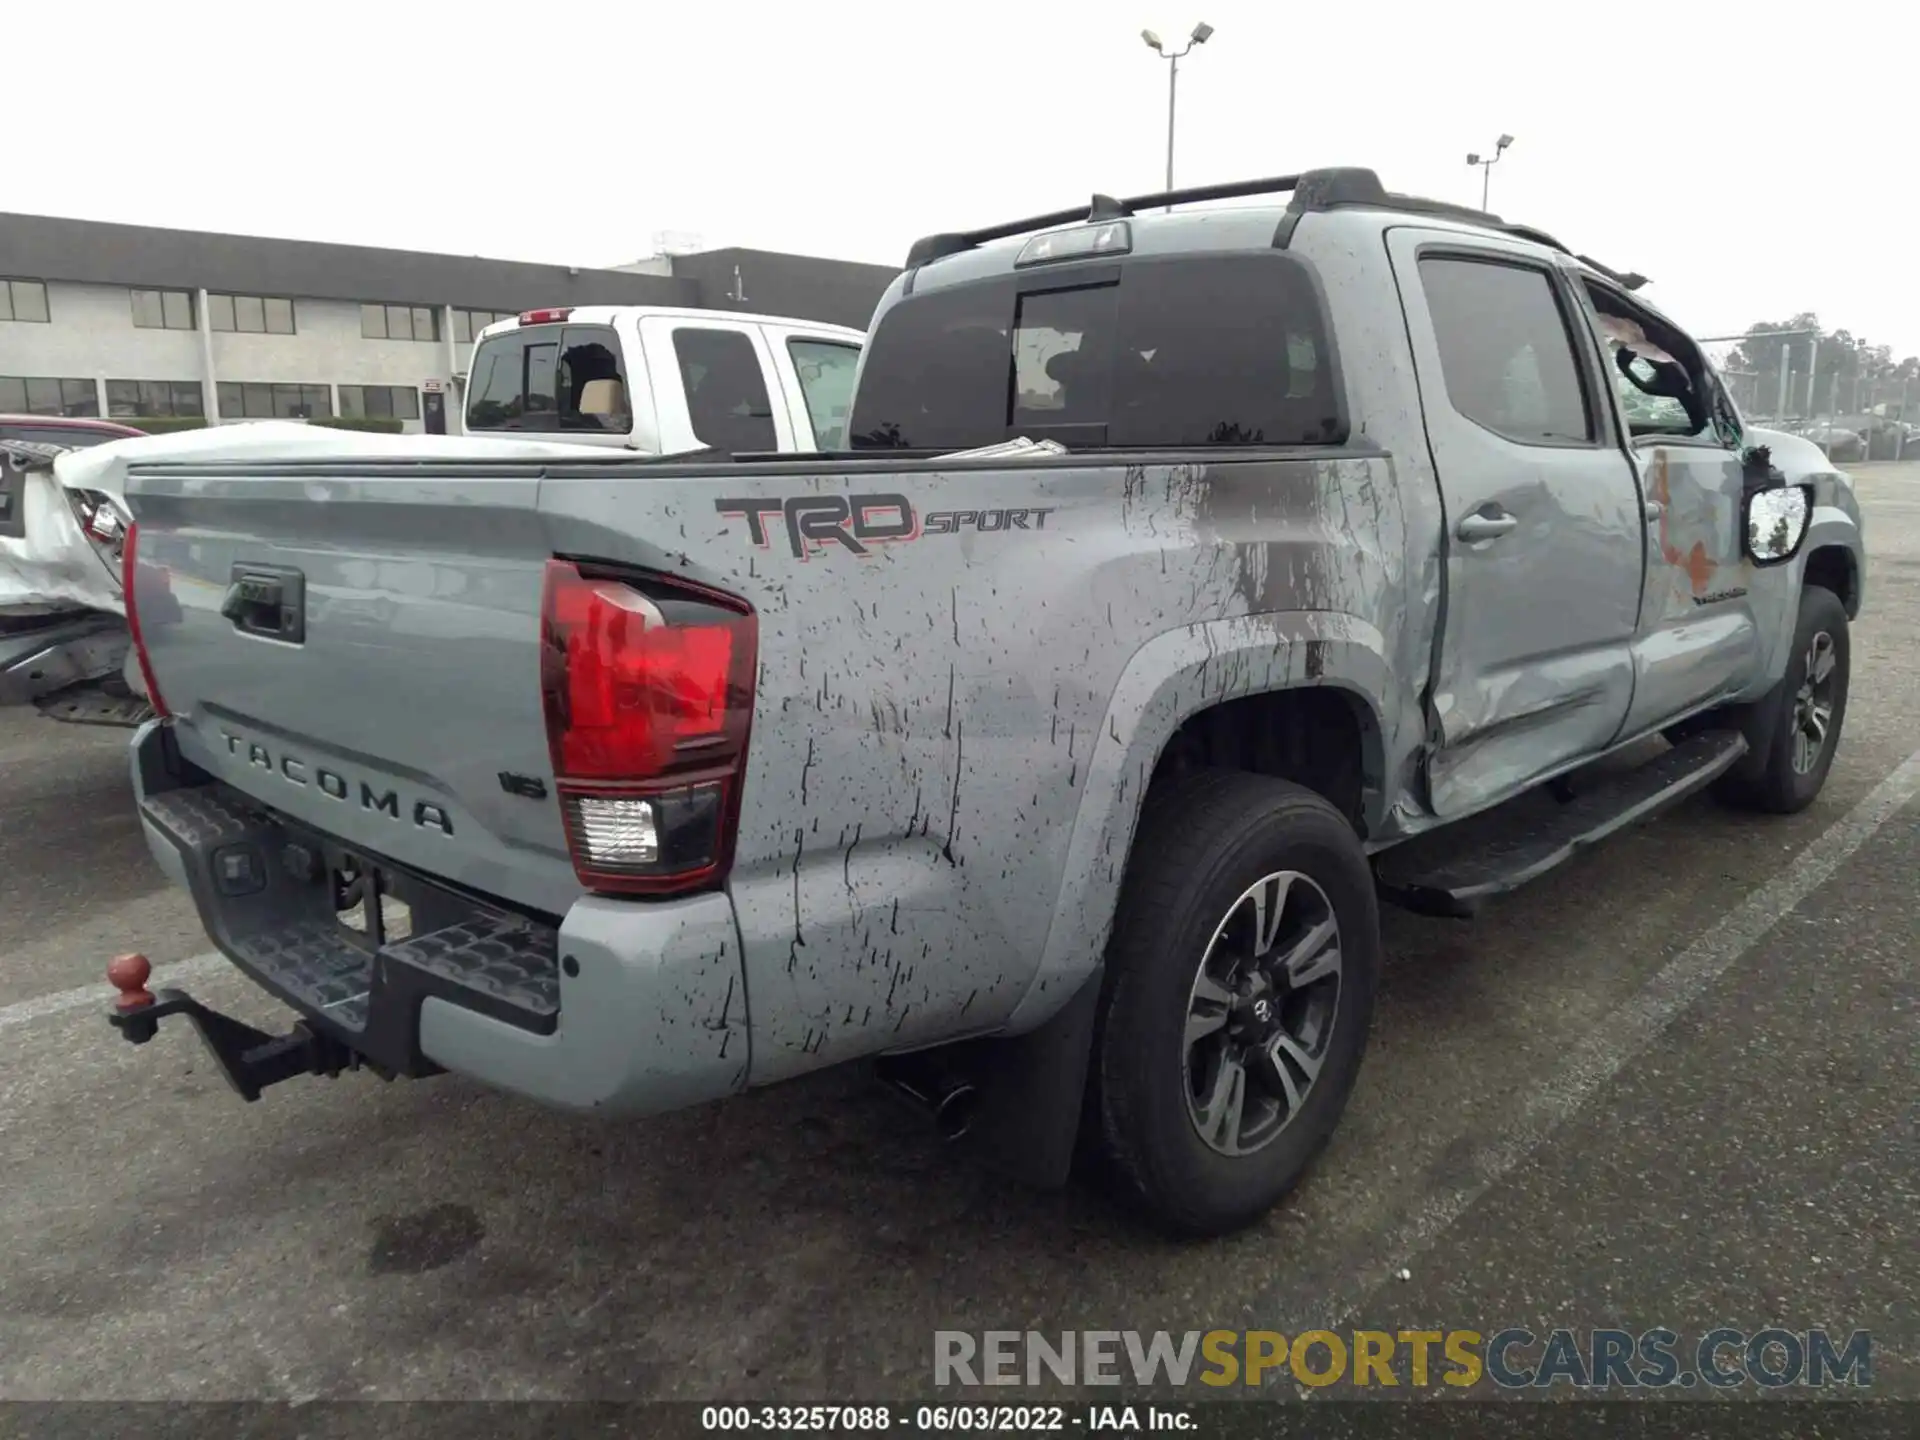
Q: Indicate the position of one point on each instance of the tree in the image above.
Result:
(1827, 372)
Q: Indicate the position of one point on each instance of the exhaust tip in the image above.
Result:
(954, 1114)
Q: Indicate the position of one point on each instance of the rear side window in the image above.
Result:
(541, 379)
(1193, 352)
(1505, 350)
(726, 390)
(826, 372)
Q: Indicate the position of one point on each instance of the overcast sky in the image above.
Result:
(1744, 156)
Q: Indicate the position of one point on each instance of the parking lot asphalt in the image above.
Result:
(1671, 1084)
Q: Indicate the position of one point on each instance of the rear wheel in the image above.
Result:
(1242, 970)
(1809, 705)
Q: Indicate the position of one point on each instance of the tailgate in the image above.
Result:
(361, 652)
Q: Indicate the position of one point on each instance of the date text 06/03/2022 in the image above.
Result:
(944, 1418)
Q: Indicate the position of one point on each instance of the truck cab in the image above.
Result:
(662, 381)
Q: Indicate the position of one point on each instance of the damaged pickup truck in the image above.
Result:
(1064, 786)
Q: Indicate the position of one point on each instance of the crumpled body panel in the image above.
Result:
(53, 566)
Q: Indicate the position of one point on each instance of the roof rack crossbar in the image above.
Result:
(1104, 207)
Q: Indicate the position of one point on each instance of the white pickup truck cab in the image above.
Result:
(662, 381)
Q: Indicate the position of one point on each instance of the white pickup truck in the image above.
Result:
(663, 381)
(641, 378)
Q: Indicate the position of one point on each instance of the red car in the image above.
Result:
(47, 430)
(64, 429)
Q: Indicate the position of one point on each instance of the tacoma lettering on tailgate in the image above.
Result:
(295, 771)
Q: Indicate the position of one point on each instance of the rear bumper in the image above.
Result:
(621, 1008)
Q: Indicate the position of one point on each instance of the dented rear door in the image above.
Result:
(1544, 520)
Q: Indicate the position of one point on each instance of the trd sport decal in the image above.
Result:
(859, 522)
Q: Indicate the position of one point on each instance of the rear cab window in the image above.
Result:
(550, 379)
(1178, 352)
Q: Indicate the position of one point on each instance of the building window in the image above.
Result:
(467, 324)
(41, 395)
(399, 322)
(251, 314)
(379, 402)
(23, 300)
(133, 399)
(248, 401)
(162, 309)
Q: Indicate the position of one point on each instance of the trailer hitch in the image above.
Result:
(250, 1059)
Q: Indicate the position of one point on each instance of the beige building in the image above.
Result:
(132, 323)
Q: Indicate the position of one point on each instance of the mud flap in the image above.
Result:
(1031, 1092)
(1757, 721)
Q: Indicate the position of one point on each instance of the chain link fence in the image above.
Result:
(1853, 416)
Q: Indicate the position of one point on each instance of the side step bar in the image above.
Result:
(1444, 880)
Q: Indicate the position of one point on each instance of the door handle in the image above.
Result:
(1487, 525)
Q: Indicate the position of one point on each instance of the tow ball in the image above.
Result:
(250, 1059)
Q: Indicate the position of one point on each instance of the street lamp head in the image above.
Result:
(1153, 40)
(1505, 141)
(1473, 159)
(1202, 33)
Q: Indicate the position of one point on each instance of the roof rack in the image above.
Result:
(1331, 188)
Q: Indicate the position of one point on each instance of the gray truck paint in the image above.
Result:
(952, 732)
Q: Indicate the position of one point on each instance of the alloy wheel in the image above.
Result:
(1261, 1011)
(1813, 704)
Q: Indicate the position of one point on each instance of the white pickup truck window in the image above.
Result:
(726, 390)
(826, 373)
(535, 378)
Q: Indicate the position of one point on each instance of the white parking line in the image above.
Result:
(194, 967)
(1608, 1048)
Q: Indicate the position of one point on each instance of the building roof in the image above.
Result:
(47, 247)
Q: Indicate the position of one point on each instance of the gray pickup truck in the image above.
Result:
(1062, 787)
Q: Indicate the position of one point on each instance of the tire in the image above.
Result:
(1203, 843)
(1780, 780)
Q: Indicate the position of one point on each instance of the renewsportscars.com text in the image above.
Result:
(1510, 1359)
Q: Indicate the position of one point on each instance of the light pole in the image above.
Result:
(1201, 34)
(1486, 165)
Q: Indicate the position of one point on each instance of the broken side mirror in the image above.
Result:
(1757, 471)
(1775, 522)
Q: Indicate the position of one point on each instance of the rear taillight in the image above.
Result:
(128, 565)
(648, 689)
(544, 317)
